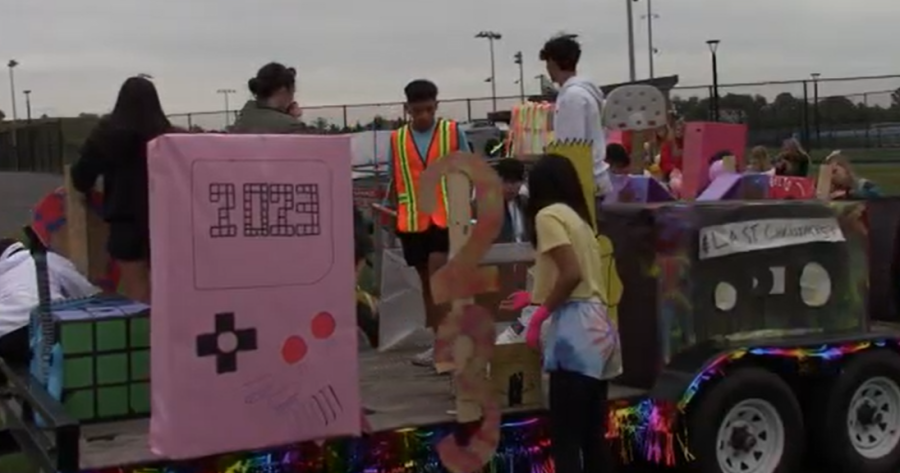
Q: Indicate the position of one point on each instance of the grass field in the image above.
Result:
(880, 165)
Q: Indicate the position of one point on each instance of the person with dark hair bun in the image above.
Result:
(272, 109)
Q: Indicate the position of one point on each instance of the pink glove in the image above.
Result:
(516, 301)
(533, 334)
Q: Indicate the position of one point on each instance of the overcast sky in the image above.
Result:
(75, 53)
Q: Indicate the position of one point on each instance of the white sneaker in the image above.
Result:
(424, 359)
(515, 333)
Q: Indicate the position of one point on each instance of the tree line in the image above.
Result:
(784, 112)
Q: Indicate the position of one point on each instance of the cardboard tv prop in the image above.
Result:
(805, 271)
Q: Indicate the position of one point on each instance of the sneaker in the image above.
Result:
(424, 359)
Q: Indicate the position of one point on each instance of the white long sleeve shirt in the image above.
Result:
(18, 285)
(578, 117)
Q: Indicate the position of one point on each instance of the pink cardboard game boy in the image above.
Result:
(702, 140)
(253, 330)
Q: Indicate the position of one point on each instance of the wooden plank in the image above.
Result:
(459, 193)
(86, 234)
(400, 394)
(728, 164)
(77, 226)
(823, 183)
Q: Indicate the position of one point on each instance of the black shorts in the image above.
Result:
(418, 246)
(128, 242)
(15, 349)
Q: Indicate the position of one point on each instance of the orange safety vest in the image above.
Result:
(408, 168)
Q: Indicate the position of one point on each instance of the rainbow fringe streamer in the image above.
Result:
(531, 128)
(647, 431)
(650, 430)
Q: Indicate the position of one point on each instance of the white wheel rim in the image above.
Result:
(873, 418)
(751, 438)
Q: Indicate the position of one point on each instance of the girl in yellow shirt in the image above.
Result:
(581, 350)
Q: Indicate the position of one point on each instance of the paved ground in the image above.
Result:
(19, 191)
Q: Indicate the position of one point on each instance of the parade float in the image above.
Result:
(752, 331)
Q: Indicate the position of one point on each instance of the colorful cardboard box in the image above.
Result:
(99, 366)
(804, 269)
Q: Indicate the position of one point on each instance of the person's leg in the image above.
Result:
(15, 348)
(415, 252)
(594, 447)
(134, 280)
(566, 422)
(438, 248)
(130, 248)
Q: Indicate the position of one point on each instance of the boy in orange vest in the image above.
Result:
(415, 146)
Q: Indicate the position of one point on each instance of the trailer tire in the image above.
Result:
(748, 422)
(857, 417)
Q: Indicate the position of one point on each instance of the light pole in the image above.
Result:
(491, 36)
(713, 47)
(632, 74)
(12, 86)
(27, 104)
(518, 60)
(650, 16)
(226, 93)
(815, 78)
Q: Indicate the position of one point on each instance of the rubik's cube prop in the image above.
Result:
(99, 357)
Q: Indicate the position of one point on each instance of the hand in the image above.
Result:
(294, 110)
(533, 333)
(516, 301)
(838, 194)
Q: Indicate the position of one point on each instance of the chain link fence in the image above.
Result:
(856, 112)
(844, 113)
(33, 147)
(859, 112)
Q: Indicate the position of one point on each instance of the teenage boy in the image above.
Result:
(415, 146)
(578, 105)
(512, 173)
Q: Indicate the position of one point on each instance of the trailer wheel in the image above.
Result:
(858, 416)
(750, 422)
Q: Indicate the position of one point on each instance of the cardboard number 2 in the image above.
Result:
(466, 337)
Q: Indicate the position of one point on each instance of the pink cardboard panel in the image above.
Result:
(615, 136)
(792, 187)
(253, 327)
(702, 140)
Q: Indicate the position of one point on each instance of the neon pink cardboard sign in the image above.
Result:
(253, 327)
